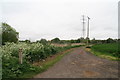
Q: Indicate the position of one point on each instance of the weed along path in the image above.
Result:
(81, 64)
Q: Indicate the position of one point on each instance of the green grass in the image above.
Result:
(108, 51)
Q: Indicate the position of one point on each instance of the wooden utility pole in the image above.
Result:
(88, 31)
(20, 56)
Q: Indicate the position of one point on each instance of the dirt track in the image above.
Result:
(81, 64)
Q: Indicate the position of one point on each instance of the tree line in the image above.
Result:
(9, 34)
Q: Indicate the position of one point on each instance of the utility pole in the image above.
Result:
(20, 56)
(88, 31)
(83, 21)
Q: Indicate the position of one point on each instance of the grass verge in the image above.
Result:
(104, 55)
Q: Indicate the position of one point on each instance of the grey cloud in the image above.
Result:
(61, 18)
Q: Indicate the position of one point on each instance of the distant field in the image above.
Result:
(106, 50)
(62, 45)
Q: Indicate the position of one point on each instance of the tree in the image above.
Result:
(110, 40)
(0, 36)
(93, 41)
(27, 41)
(43, 41)
(55, 40)
(72, 41)
(78, 40)
(9, 34)
(83, 40)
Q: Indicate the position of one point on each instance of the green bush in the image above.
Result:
(32, 52)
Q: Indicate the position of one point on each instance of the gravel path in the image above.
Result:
(81, 64)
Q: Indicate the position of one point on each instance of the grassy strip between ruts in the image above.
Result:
(103, 55)
(43, 66)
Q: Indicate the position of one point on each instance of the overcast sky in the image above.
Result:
(36, 19)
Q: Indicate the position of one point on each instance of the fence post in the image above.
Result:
(20, 56)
